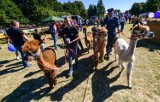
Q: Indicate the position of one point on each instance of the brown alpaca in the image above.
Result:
(46, 60)
(84, 29)
(88, 38)
(99, 43)
(89, 41)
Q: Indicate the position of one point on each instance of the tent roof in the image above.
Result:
(52, 18)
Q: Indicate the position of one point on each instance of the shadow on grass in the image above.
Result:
(28, 90)
(101, 89)
(147, 44)
(79, 75)
(61, 61)
(12, 68)
(61, 46)
(14, 64)
(6, 61)
(31, 73)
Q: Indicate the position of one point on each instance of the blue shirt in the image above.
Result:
(111, 24)
(52, 29)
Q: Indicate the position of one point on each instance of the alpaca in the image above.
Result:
(99, 43)
(126, 52)
(89, 41)
(84, 29)
(46, 60)
(88, 38)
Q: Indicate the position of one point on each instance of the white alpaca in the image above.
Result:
(126, 52)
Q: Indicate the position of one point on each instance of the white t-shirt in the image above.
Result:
(122, 19)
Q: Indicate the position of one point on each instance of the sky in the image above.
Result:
(123, 5)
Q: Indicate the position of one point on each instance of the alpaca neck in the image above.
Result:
(43, 64)
(41, 60)
(132, 47)
(85, 34)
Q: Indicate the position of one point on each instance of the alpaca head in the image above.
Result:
(142, 32)
(102, 33)
(31, 49)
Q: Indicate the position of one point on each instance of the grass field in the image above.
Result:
(18, 84)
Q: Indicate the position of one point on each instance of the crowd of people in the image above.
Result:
(69, 31)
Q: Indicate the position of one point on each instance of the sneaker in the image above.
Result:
(17, 58)
(56, 48)
(70, 72)
(106, 57)
(27, 66)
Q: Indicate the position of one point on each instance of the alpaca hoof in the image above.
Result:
(129, 87)
(122, 69)
(52, 86)
(95, 69)
(119, 73)
(100, 61)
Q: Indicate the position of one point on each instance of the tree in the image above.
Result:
(152, 5)
(10, 11)
(118, 10)
(91, 11)
(69, 7)
(137, 8)
(81, 7)
(95, 11)
(58, 7)
(36, 10)
(100, 8)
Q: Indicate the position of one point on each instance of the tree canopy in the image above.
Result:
(98, 10)
(10, 11)
(34, 11)
(144, 7)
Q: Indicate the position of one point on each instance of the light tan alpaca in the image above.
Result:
(46, 60)
(99, 44)
(126, 52)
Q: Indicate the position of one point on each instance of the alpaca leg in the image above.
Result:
(119, 63)
(96, 61)
(102, 55)
(115, 53)
(95, 64)
(53, 78)
(122, 66)
(48, 78)
(89, 46)
(129, 73)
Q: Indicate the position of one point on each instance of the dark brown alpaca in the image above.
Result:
(46, 60)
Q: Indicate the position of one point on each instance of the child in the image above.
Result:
(38, 37)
